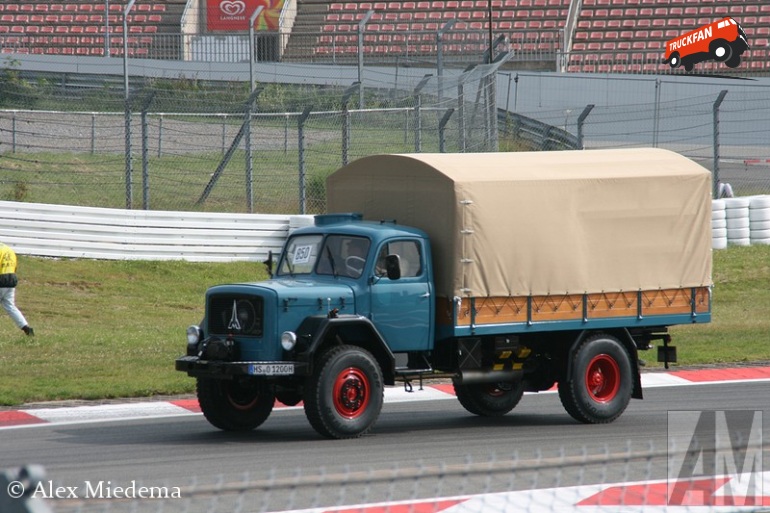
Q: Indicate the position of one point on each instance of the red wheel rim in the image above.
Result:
(351, 393)
(603, 378)
(498, 389)
(243, 400)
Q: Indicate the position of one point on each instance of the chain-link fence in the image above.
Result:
(722, 126)
(189, 147)
(183, 145)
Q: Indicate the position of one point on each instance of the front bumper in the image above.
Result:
(196, 367)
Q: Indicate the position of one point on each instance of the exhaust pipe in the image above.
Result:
(475, 376)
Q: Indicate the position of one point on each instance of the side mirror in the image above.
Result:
(269, 263)
(393, 267)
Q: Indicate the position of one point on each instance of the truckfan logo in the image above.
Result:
(721, 41)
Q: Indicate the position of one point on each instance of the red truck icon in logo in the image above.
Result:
(721, 41)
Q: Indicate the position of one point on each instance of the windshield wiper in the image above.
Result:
(331, 261)
(290, 266)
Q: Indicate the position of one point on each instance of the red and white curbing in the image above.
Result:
(704, 495)
(31, 417)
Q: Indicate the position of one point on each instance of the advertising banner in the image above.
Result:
(233, 15)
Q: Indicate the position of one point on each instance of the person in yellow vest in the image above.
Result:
(8, 282)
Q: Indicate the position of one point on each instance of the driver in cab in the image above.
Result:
(355, 261)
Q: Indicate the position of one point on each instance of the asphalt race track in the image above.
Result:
(418, 449)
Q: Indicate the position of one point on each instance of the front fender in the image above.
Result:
(318, 333)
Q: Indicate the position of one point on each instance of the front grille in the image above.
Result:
(248, 318)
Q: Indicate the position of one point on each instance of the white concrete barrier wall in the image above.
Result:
(116, 234)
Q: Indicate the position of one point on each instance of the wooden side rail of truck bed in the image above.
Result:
(642, 304)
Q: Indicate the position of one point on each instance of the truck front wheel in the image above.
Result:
(601, 382)
(235, 406)
(345, 393)
(490, 399)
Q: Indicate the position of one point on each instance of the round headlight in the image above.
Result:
(288, 340)
(193, 335)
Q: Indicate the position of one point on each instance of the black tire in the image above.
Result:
(720, 50)
(674, 61)
(602, 381)
(344, 396)
(734, 61)
(235, 406)
(490, 399)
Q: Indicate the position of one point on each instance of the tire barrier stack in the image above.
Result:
(737, 220)
(718, 225)
(740, 221)
(759, 220)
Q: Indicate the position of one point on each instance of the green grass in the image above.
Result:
(113, 329)
(740, 330)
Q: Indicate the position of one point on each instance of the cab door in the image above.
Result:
(402, 309)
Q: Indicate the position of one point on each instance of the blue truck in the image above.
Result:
(502, 272)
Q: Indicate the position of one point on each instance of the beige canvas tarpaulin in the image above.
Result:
(538, 223)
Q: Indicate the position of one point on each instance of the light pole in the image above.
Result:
(440, 53)
(361, 25)
(252, 56)
(125, 44)
(489, 6)
(106, 28)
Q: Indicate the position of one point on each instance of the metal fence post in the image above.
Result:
(442, 128)
(440, 56)
(715, 173)
(160, 135)
(346, 120)
(145, 153)
(418, 113)
(461, 107)
(129, 158)
(361, 26)
(249, 159)
(656, 120)
(301, 152)
(13, 133)
(93, 133)
(580, 121)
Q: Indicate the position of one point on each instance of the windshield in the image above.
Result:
(340, 255)
(301, 255)
(343, 255)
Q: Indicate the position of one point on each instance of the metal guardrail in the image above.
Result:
(541, 135)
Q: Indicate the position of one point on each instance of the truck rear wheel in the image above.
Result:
(234, 406)
(345, 393)
(490, 399)
(602, 381)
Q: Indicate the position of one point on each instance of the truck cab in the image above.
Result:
(343, 281)
(343, 251)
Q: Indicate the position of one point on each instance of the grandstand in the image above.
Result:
(624, 36)
(79, 27)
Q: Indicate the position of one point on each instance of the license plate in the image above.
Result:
(271, 369)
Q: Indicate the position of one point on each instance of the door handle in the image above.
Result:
(427, 294)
